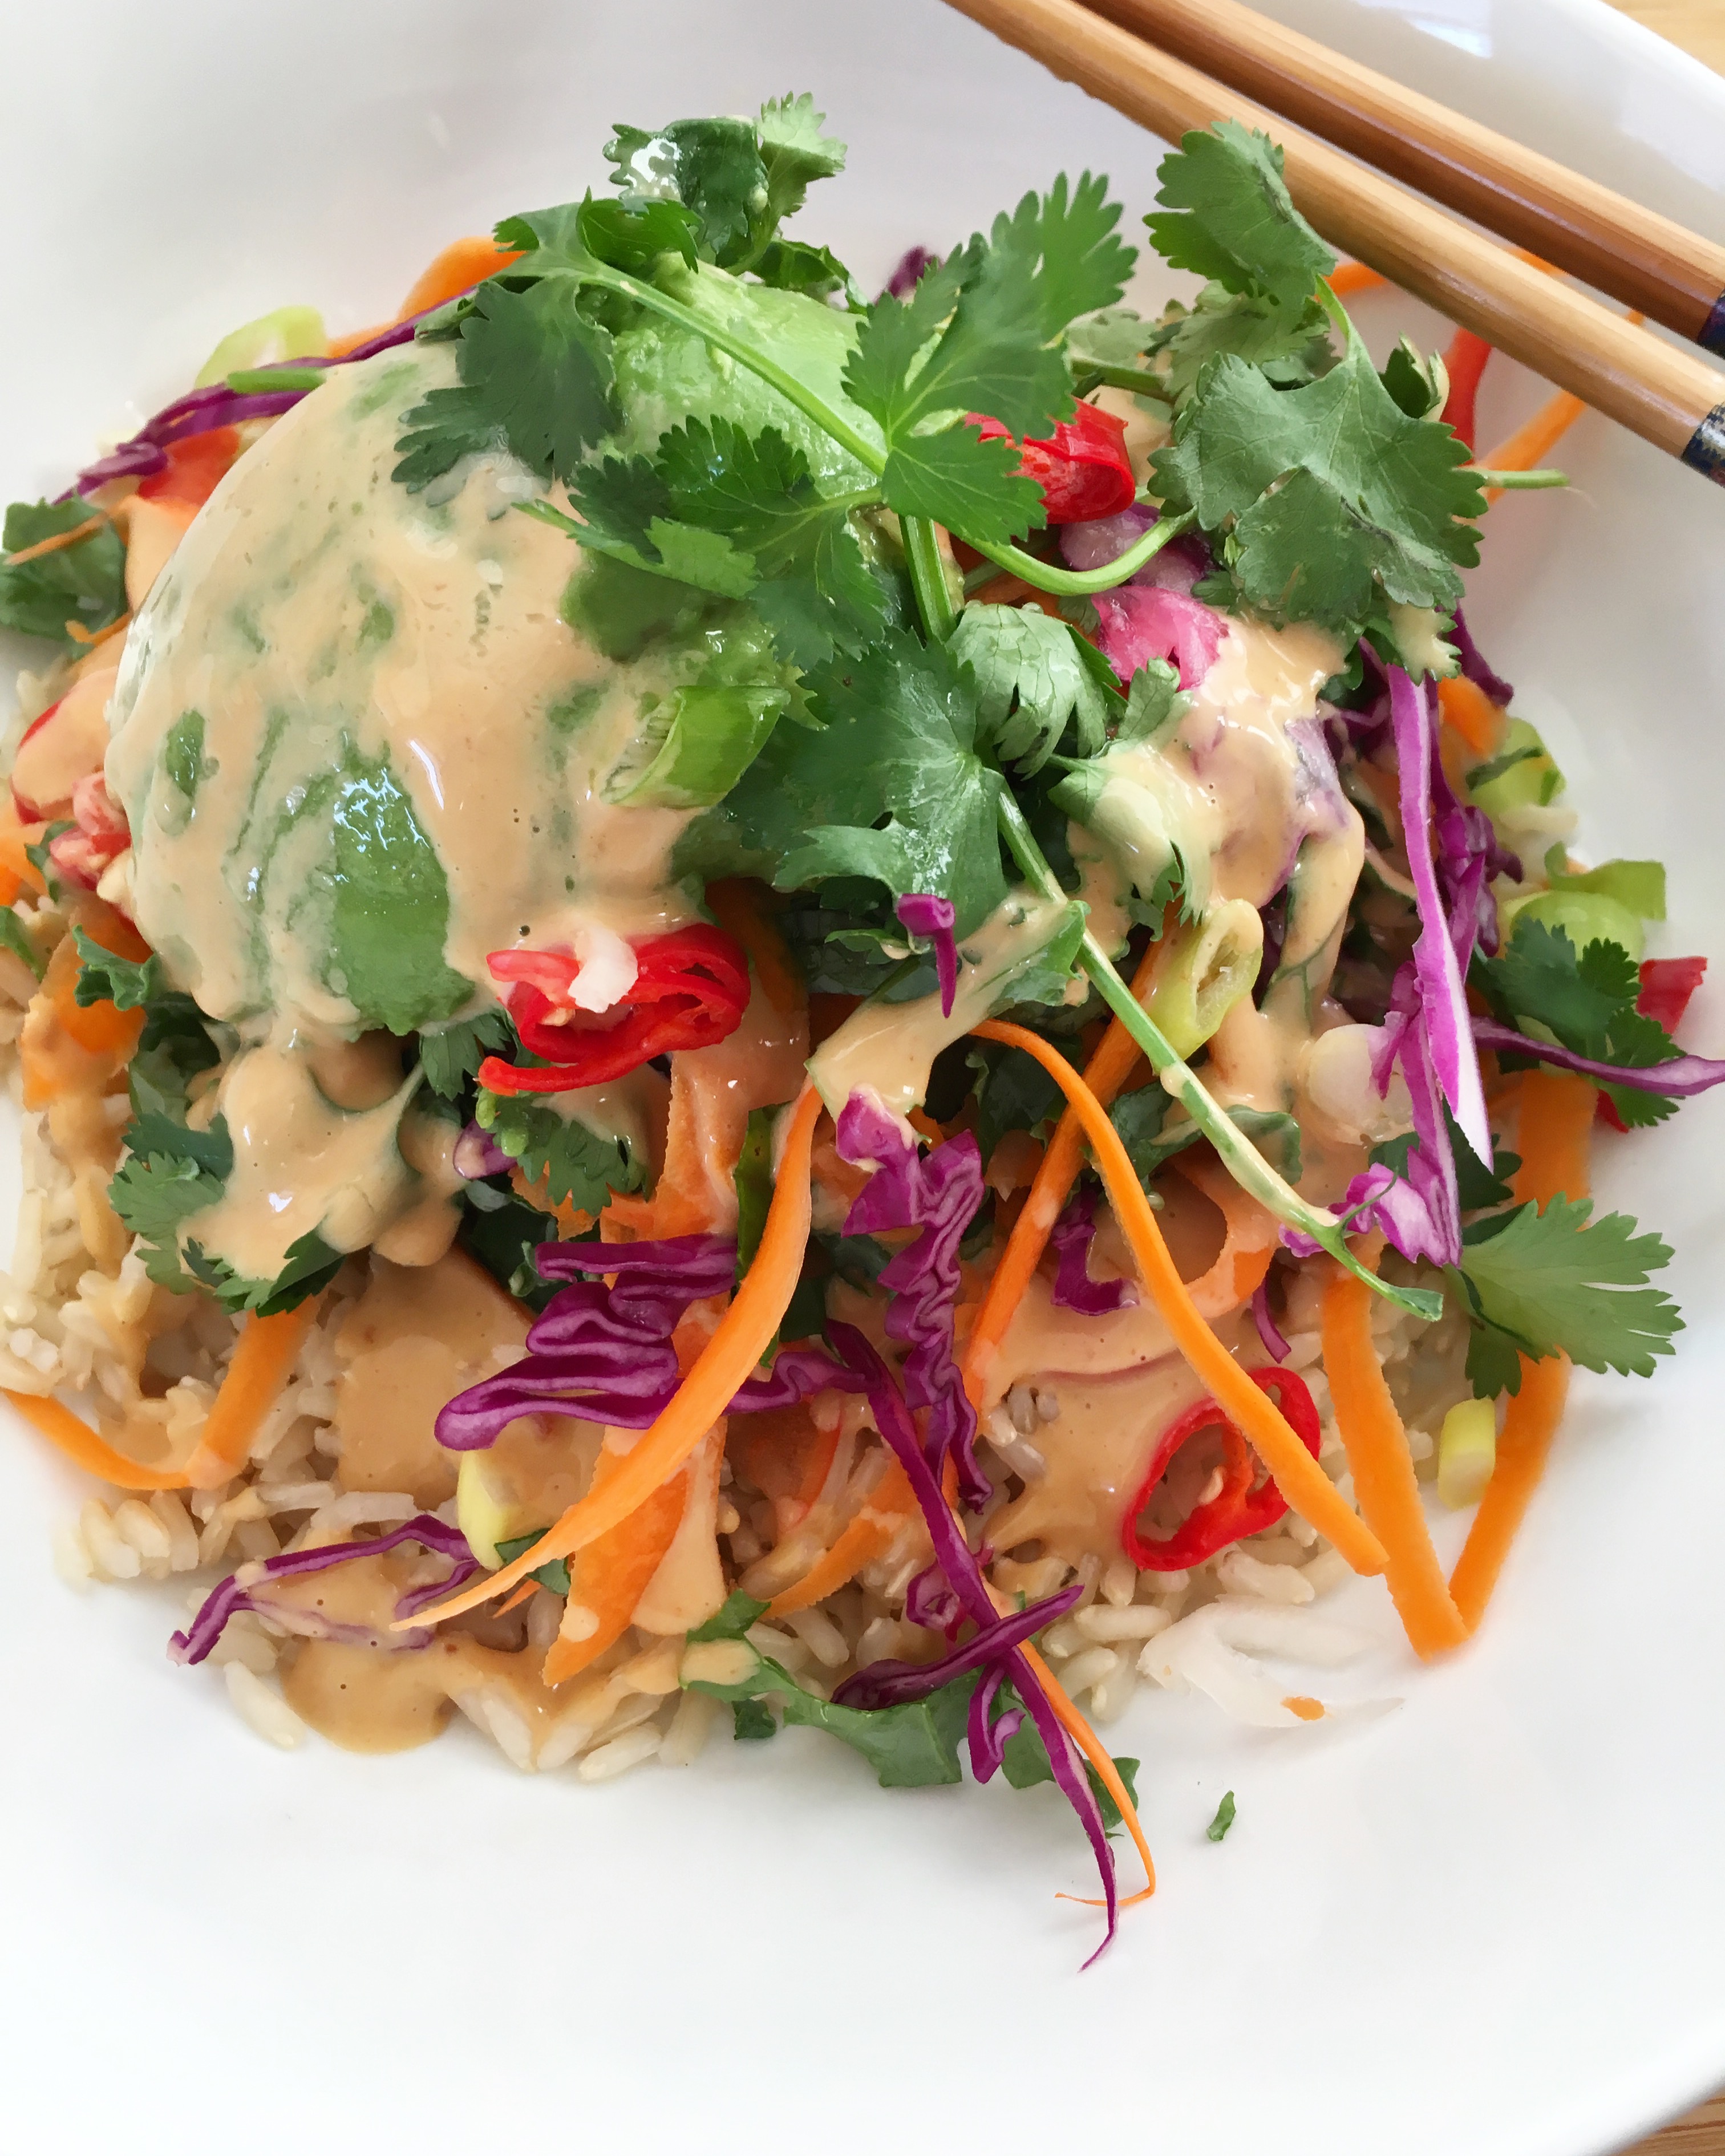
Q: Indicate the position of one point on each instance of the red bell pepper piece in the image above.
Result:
(1464, 362)
(1082, 467)
(691, 987)
(1243, 1505)
(194, 467)
(1666, 986)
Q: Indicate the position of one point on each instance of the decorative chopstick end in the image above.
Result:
(1713, 330)
(1706, 451)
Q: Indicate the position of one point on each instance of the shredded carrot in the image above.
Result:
(1297, 1703)
(1383, 1469)
(1239, 1266)
(56, 540)
(1467, 708)
(739, 1341)
(1555, 1135)
(525, 1592)
(88, 1448)
(866, 1537)
(787, 1455)
(1297, 1475)
(262, 1358)
(1530, 1423)
(462, 264)
(739, 906)
(1350, 277)
(1107, 1774)
(608, 1579)
(81, 635)
(1114, 1061)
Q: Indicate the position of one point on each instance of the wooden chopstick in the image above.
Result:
(1646, 261)
(1670, 397)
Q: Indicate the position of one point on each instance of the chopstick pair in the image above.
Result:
(1671, 398)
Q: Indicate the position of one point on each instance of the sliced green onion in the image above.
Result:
(1467, 1452)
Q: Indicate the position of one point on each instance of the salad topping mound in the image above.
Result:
(913, 928)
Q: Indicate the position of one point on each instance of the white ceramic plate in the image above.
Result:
(1489, 1921)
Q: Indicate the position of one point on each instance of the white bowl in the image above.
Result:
(1488, 1922)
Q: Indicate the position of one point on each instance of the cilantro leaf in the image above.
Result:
(84, 583)
(713, 167)
(1153, 1132)
(1324, 500)
(1289, 345)
(555, 1575)
(1032, 681)
(977, 335)
(1218, 1826)
(1546, 1282)
(1025, 1761)
(169, 1173)
(633, 237)
(1586, 1000)
(582, 1167)
(388, 905)
(536, 375)
(889, 788)
(103, 976)
(309, 1264)
(752, 1179)
(1012, 1092)
(731, 1620)
(1230, 216)
(502, 1238)
(451, 1056)
(16, 937)
(794, 152)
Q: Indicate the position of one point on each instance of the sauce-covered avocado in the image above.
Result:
(362, 736)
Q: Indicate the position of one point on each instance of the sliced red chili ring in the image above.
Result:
(1238, 1508)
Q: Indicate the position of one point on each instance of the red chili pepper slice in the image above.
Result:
(1666, 986)
(690, 990)
(1238, 1507)
(194, 468)
(1464, 362)
(1082, 467)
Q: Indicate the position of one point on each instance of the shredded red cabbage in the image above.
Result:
(930, 1602)
(1094, 544)
(797, 1374)
(963, 1571)
(1071, 1239)
(926, 915)
(1680, 1076)
(1474, 667)
(913, 265)
(602, 1353)
(1275, 1345)
(478, 1154)
(1443, 1001)
(890, 1684)
(938, 1192)
(1137, 622)
(234, 1595)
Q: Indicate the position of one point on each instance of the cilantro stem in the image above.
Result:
(1238, 1154)
(1138, 379)
(928, 578)
(1510, 481)
(1074, 583)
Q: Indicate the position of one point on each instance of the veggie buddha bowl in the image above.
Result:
(749, 1000)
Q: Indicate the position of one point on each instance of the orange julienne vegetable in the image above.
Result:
(738, 905)
(463, 263)
(88, 1448)
(1383, 1477)
(81, 635)
(1115, 1058)
(1554, 1133)
(1297, 1475)
(1107, 1774)
(265, 1352)
(1467, 708)
(864, 1539)
(739, 1341)
(608, 1577)
(56, 540)
(1350, 277)
(1530, 1423)
(1248, 1246)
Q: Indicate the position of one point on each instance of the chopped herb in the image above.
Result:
(1218, 1826)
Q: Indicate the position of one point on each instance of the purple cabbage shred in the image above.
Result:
(1276, 1345)
(1679, 1077)
(236, 1594)
(913, 265)
(931, 918)
(1070, 1239)
(478, 1154)
(1476, 668)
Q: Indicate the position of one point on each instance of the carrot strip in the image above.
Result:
(1114, 1061)
(1555, 1135)
(462, 264)
(739, 1341)
(1471, 712)
(864, 1539)
(1252, 1412)
(87, 1449)
(1099, 1756)
(1529, 1425)
(608, 1577)
(738, 905)
(1247, 1250)
(1350, 277)
(55, 540)
(1383, 1477)
(525, 1592)
(81, 635)
(265, 1353)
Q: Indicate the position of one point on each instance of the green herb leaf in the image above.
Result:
(105, 978)
(1032, 684)
(85, 582)
(913, 1745)
(451, 1056)
(1152, 1131)
(1025, 1763)
(582, 1167)
(537, 376)
(1013, 1092)
(554, 1575)
(502, 1238)
(1230, 216)
(1547, 1283)
(752, 1720)
(732, 1619)
(16, 938)
(1224, 1819)
(753, 1178)
(890, 788)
